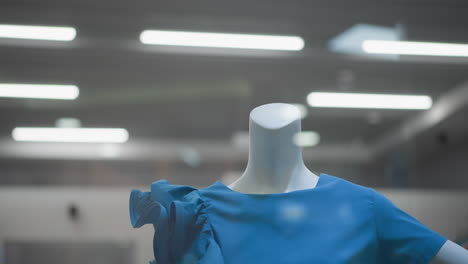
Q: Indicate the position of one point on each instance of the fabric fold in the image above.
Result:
(183, 233)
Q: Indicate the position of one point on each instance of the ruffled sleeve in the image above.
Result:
(183, 233)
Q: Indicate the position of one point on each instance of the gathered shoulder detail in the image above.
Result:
(183, 233)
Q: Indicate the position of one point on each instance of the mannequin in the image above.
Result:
(275, 164)
(272, 128)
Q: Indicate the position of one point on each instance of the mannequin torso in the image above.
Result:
(275, 164)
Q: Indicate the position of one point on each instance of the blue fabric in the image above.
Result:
(335, 222)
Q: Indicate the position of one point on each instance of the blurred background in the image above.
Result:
(99, 97)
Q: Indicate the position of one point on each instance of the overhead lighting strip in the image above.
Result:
(39, 91)
(72, 135)
(364, 100)
(37, 32)
(415, 48)
(221, 40)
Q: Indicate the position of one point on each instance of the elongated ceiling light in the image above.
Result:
(221, 40)
(306, 138)
(364, 100)
(37, 32)
(39, 91)
(415, 48)
(74, 135)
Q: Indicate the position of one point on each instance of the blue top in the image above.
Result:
(335, 222)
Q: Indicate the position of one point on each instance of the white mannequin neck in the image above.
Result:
(275, 163)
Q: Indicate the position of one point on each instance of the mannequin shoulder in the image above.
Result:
(451, 253)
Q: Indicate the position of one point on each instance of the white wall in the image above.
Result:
(443, 211)
(40, 214)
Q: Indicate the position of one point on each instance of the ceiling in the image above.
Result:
(206, 95)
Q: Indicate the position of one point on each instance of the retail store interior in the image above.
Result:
(101, 97)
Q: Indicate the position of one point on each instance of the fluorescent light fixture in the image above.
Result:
(364, 100)
(221, 40)
(37, 32)
(302, 110)
(240, 139)
(415, 48)
(39, 91)
(68, 122)
(350, 41)
(190, 156)
(306, 138)
(109, 151)
(81, 135)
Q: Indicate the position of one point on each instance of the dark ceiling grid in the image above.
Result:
(107, 57)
